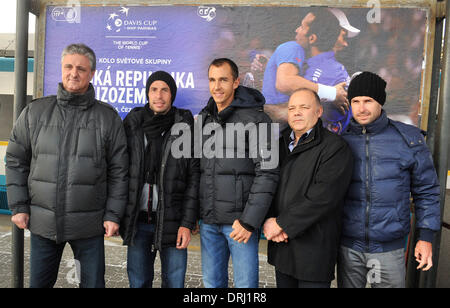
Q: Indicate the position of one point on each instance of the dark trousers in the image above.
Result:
(89, 264)
(286, 281)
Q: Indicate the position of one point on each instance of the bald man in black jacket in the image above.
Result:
(305, 217)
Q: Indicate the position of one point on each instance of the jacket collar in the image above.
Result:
(135, 117)
(244, 97)
(82, 101)
(313, 138)
(372, 128)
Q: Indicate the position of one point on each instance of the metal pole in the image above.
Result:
(20, 95)
(21, 57)
(441, 148)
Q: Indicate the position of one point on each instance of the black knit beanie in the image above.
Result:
(167, 78)
(368, 84)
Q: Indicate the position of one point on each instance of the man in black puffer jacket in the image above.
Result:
(163, 194)
(236, 187)
(66, 173)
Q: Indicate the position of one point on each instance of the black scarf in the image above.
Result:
(154, 127)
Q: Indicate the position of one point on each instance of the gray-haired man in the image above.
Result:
(66, 173)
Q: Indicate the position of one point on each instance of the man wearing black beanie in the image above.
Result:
(158, 217)
(391, 163)
(165, 77)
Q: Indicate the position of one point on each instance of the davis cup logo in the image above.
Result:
(115, 21)
(206, 12)
(119, 21)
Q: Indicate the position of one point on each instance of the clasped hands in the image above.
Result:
(273, 232)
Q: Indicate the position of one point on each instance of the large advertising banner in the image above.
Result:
(131, 42)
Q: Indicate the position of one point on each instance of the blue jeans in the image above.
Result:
(141, 260)
(216, 249)
(45, 258)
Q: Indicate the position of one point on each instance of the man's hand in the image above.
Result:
(341, 101)
(423, 254)
(183, 237)
(21, 220)
(271, 228)
(273, 232)
(240, 234)
(282, 237)
(111, 228)
(259, 63)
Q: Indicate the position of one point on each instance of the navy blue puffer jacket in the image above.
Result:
(391, 163)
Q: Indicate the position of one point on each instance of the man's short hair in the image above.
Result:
(315, 95)
(326, 27)
(221, 61)
(80, 49)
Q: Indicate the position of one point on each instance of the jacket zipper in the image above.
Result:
(367, 182)
(160, 208)
(60, 209)
(141, 146)
(58, 185)
(213, 178)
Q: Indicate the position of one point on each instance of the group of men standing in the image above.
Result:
(76, 173)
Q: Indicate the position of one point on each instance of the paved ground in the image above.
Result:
(116, 276)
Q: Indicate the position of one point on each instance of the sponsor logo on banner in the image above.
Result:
(70, 13)
(206, 12)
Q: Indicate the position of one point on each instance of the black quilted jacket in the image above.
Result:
(67, 166)
(177, 183)
(232, 187)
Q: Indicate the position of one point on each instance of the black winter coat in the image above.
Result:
(314, 178)
(236, 188)
(177, 183)
(67, 165)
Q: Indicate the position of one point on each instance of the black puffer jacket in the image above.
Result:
(177, 183)
(236, 188)
(67, 165)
